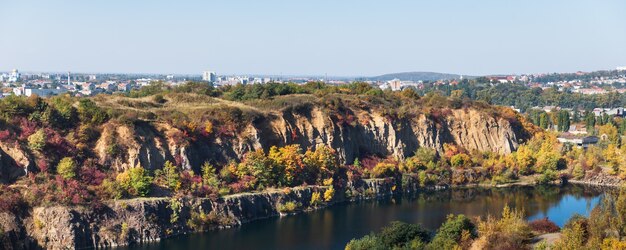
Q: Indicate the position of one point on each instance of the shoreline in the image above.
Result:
(147, 220)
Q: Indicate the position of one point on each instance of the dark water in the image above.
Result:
(333, 227)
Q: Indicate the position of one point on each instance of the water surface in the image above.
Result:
(333, 227)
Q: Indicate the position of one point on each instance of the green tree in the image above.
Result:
(544, 121)
(136, 181)
(172, 176)
(449, 234)
(209, 175)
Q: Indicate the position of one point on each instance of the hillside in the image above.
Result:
(417, 76)
(191, 129)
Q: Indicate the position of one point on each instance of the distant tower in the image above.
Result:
(68, 78)
(209, 76)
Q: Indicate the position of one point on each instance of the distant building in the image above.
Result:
(27, 91)
(581, 142)
(14, 76)
(621, 68)
(395, 84)
(209, 76)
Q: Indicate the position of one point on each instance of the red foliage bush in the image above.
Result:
(57, 145)
(246, 183)
(43, 165)
(544, 226)
(11, 200)
(91, 175)
(27, 128)
(226, 130)
(369, 162)
(7, 136)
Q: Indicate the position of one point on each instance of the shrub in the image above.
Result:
(329, 194)
(89, 112)
(288, 207)
(384, 169)
(316, 199)
(398, 234)
(543, 226)
(67, 168)
(450, 233)
(547, 177)
(201, 221)
(37, 141)
(509, 232)
(11, 200)
(135, 181)
(461, 161)
(368, 242)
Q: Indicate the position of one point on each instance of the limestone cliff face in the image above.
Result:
(144, 220)
(138, 221)
(14, 161)
(151, 144)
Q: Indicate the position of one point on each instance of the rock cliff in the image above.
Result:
(151, 144)
(144, 220)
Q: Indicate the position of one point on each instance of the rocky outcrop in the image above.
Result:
(14, 162)
(151, 144)
(152, 219)
(599, 179)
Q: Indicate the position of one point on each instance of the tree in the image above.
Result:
(461, 160)
(89, 112)
(563, 121)
(590, 121)
(172, 176)
(449, 234)
(135, 181)
(67, 168)
(544, 121)
(398, 234)
(209, 175)
(610, 132)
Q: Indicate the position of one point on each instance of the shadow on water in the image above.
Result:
(333, 227)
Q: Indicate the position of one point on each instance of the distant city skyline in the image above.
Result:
(349, 38)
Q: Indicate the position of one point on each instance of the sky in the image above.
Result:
(312, 37)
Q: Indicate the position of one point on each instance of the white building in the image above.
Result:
(209, 76)
(40, 92)
(14, 76)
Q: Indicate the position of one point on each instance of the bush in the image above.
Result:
(543, 226)
(461, 161)
(201, 221)
(135, 181)
(316, 199)
(384, 169)
(288, 207)
(37, 141)
(11, 200)
(398, 234)
(368, 242)
(67, 168)
(329, 194)
(547, 177)
(450, 233)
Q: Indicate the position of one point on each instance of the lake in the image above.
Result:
(333, 227)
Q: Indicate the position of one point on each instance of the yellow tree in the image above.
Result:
(290, 159)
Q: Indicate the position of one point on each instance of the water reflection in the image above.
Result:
(332, 228)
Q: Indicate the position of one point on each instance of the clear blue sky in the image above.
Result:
(342, 38)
